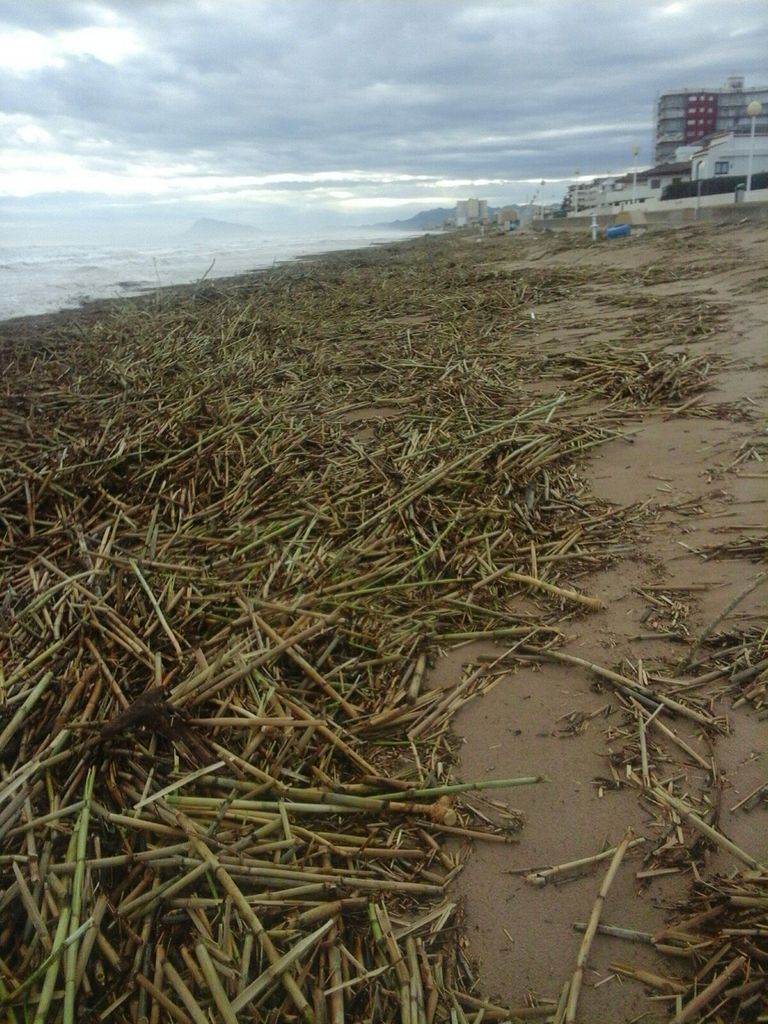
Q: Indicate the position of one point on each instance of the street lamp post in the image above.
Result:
(698, 187)
(754, 109)
(597, 211)
(635, 151)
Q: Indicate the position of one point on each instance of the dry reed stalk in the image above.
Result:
(734, 603)
(630, 934)
(712, 990)
(589, 934)
(678, 741)
(631, 687)
(541, 877)
(593, 603)
(688, 815)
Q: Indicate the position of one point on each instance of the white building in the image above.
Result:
(613, 193)
(585, 195)
(651, 183)
(471, 211)
(728, 154)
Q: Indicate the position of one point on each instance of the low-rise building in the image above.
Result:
(727, 154)
(506, 216)
(610, 190)
(626, 189)
(651, 183)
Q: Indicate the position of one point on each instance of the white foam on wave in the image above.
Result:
(46, 278)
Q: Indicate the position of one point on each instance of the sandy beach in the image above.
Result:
(289, 560)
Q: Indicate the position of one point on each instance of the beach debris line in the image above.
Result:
(225, 785)
(226, 778)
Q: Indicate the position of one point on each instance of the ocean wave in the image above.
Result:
(42, 279)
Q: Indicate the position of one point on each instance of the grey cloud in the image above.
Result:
(415, 86)
(45, 15)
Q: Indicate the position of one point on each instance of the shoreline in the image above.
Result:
(339, 518)
(151, 291)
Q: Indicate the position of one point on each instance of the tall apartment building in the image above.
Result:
(471, 211)
(685, 116)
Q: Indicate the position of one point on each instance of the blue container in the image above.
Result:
(618, 231)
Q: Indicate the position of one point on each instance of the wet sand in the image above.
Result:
(684, 469)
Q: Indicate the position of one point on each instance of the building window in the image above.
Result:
(721, 166)
(655, 182)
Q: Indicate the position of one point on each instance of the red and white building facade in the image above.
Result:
(686, 116)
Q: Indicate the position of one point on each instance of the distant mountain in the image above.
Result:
(422, 221)
(429, 219)
(207, 229)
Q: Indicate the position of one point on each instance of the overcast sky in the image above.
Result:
(354, 110)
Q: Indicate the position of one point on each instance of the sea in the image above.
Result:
(47, 278)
